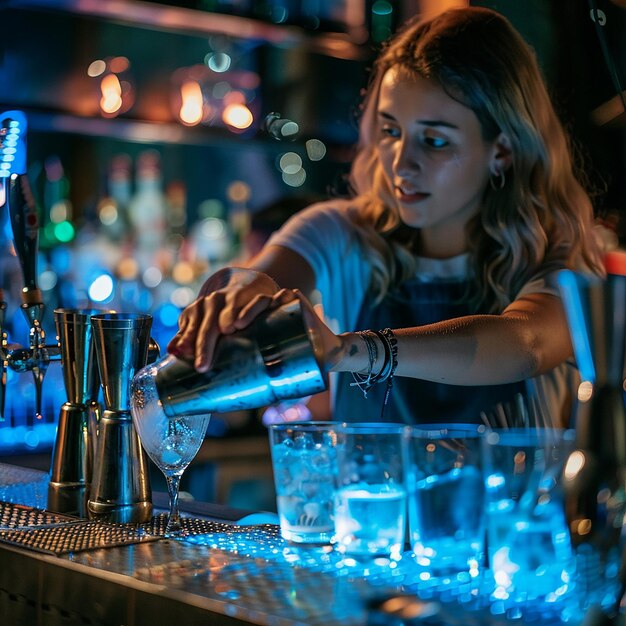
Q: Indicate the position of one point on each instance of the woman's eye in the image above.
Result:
(435, 142)
(390, 131)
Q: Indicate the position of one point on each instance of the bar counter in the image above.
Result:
(57, 570)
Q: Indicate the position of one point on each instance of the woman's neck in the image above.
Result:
(441, 245)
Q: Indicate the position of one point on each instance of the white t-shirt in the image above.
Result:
(325, 237)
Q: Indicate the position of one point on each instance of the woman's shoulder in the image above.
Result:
(544, 280)
(334, 208)
(318, 227)
(327, 216)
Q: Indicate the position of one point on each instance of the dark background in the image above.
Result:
(46, 49)
(308, 61)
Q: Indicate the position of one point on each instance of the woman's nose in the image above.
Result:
(406, 159)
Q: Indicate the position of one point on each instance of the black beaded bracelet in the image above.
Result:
(391, 344)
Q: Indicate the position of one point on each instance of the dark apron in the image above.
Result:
(415, 401)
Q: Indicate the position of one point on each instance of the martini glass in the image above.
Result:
(171, 443)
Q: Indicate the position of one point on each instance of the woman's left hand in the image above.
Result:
(328, 346)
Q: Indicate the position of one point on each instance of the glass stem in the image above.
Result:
(173, 521)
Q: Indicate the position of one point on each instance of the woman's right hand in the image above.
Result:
(228, 301)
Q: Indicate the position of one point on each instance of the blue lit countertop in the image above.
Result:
(222, 573)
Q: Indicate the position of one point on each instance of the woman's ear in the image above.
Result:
(502, 156)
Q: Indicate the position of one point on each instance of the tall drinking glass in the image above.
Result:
(304, 464)
(171, 443)
(446, 512)
(530, 553)
(370, 499)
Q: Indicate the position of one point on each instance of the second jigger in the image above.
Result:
(120, 488)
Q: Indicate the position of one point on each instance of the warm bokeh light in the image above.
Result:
(192, 103)
(234, 97)
(107, 212)
(183, 273)
(238, 116)
(111, 100)
(119, 64)
(96, 68)
(581, 526)
(585, 391)
(575, 463)
(128, 268)
(238, 191)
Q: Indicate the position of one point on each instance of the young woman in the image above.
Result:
(465, 207)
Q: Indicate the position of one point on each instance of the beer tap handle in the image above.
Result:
(25, 225)
(24, 221)
(18, 197)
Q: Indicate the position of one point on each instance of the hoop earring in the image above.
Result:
(497, 180)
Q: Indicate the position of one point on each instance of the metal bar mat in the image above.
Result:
(190, 526)
(61, 534)
(19, 516)
(75, 537)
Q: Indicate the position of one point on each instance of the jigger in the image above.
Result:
(76, 435)
(120, 489)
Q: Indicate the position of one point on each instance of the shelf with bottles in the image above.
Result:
(108, 78)
(183, 19)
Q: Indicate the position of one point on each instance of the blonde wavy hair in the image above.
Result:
(542, 218)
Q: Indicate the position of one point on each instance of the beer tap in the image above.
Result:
(17, 195)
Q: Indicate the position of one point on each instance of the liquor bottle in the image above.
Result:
(147, 209)
(113, 206)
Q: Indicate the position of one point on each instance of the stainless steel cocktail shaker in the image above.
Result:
(275, 358)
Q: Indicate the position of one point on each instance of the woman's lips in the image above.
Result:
(410, 196)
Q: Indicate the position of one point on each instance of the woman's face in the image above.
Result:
(434, 158)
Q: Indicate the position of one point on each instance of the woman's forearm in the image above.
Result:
(473, 350)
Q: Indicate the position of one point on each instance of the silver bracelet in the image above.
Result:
(365, 381)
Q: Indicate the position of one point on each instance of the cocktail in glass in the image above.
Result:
(171, 442)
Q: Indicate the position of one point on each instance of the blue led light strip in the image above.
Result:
(12, 143)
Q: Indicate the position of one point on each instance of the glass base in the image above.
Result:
(305, 536)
